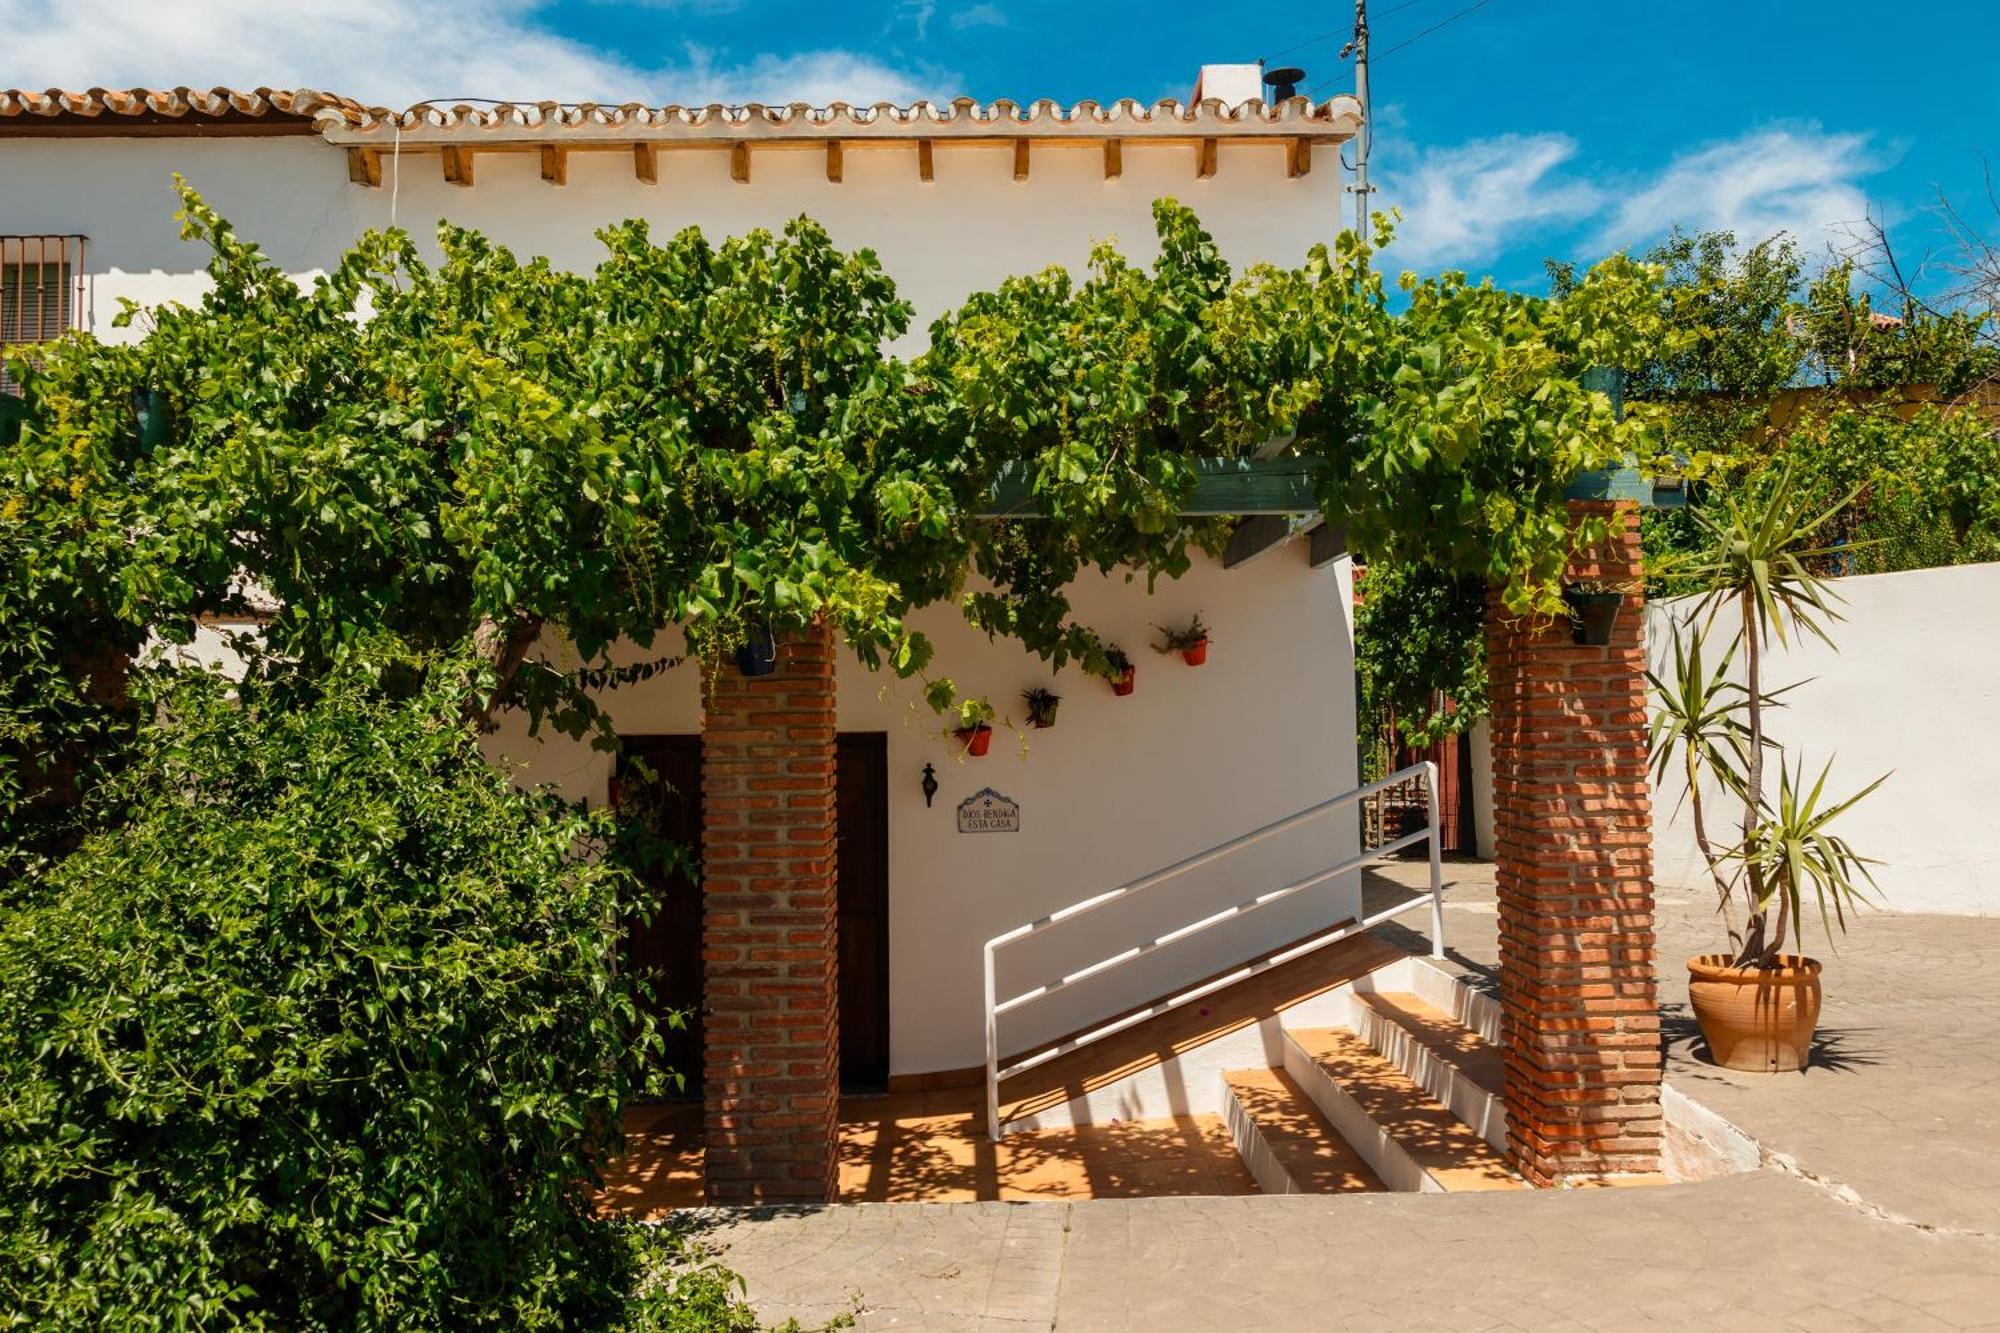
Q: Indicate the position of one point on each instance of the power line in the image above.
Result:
(1337, 32)
(1442, 23)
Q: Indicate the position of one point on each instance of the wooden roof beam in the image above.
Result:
(739, 162)
(1114, 159)
(925, 166)
(836, 167)
(1299, 161)
(555, 164)
(364, 166)
(458, 165)
(646, 163)
(1204, 165)
(1020, 159)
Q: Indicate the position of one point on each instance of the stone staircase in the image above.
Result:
(1383, 1074)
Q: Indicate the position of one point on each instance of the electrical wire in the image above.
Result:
(1441, 23)
(1338, 32)
(1408, 41)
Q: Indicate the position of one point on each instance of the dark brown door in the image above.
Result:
(662, 774)
(660, 777)
(864, 910)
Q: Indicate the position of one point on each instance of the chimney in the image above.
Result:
(1231, 85)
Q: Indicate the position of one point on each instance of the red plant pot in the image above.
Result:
(976, 740)
(1123, 685)
(1195, 655)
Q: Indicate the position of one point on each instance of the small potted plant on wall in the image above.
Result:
(1190, 641)
(757, 655)
(975, 727)
(1757, 1005)
(1593, 611)
(1042, 703)
(1118, 669)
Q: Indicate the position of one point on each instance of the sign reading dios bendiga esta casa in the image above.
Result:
(987, 811)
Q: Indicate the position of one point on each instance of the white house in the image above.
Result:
(897, 919)
(953, 199)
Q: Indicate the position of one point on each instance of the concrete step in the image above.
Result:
(1288, 1145)
(1453, 1064)
(1412, 1140)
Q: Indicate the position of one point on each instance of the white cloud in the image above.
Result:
(1800, 179)
(1465, 204)
(979, 16)
(400, 51)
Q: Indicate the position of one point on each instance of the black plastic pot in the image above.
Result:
(1592, 616)
(759, 654)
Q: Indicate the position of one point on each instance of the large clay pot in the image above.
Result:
(1755, 1018)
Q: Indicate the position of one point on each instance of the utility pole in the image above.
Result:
(1359, 49)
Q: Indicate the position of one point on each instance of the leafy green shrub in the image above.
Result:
(1419, 638)
(326, 1036)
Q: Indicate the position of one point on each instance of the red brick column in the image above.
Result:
(1573, 811)
(770, 941)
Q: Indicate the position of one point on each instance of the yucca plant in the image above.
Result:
(1758, 568)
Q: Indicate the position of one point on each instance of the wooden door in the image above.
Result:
(668, 946)
(864, 910)
(661, 776)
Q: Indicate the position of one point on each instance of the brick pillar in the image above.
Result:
(1572, 815)
(770, 941)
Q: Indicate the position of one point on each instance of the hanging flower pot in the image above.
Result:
(1190, 641)
(976, 740)
(758, 655)
(1120, 671)
(1042, 705)
(1593, 615)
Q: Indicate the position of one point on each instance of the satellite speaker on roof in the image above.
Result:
(1284, 82)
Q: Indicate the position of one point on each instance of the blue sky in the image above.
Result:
(1522, 129)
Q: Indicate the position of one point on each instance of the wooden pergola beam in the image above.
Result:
(1299, 159)
(364, 166)
(836, 167)
(739, 162)
(555, 164)
(925, 166)
(1020, 159)
(1205, 160)
(646, 162)
(458, 165)
(1114, 159)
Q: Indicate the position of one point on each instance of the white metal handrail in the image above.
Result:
(996, 1006)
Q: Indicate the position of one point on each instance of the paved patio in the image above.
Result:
(1881, 1208)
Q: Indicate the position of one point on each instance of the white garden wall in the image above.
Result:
(1118, 788)
(1914, 691)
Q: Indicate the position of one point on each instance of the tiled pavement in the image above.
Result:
(1883, 1210)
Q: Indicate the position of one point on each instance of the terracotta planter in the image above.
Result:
(1195, 655)
(976, 740)
(1753, 1018)
(1123, 685)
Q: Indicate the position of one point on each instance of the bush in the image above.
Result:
(327, 1035)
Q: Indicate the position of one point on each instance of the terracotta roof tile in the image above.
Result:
(343, 120)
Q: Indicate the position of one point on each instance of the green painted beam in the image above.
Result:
(1628, 483)
(1236, 486)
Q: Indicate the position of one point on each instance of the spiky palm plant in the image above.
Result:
(1761, 565)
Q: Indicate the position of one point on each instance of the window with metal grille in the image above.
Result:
(41, 292)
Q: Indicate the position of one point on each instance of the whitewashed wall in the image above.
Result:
(964, 231)
(1122, 785)
(1914, 691)
(1118, 788)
